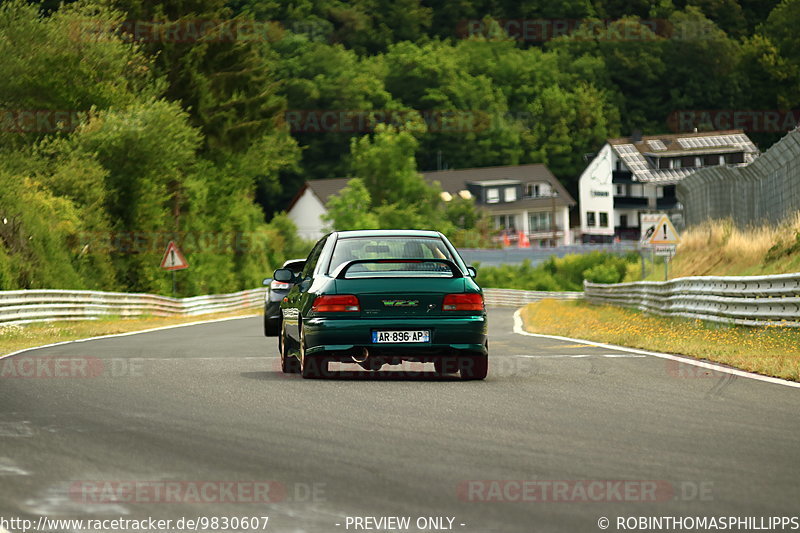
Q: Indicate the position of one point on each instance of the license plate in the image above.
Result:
(401, 336)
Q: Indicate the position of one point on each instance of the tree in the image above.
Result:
(386, 163)
(351, 208)
(59, 69)
(780, 29)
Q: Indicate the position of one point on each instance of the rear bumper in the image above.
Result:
(342, 337)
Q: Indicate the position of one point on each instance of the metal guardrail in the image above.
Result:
(518, 298)
(750, 301)
(20, 307)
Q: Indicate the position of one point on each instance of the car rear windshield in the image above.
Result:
(352, 248)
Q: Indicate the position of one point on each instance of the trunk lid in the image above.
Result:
(400, 296)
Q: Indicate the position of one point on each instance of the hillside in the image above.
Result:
(720, 249)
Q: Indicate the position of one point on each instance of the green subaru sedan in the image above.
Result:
(378, 297)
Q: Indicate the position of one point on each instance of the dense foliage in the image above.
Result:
(559, 274)
(119, 134)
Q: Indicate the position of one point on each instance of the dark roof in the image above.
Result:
(671, 140)
(545, 202)
(453, 181)
(324, 189)
(633, 151)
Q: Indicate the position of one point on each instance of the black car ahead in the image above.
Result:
(276, 291)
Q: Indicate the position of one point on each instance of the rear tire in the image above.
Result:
(289, 363)
(473, 367)
(272, 328)
(445, 365)
(311, 366)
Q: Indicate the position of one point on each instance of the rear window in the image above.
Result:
(353, 248)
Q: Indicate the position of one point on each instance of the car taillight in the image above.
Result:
(463, 302)
(336, 303)
(279, 285)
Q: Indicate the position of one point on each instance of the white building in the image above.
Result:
(523, 198)
(632, 176)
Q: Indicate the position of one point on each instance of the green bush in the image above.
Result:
(559, 274)
(605, 273)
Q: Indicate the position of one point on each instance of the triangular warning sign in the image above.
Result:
(664, 233)
(173, 258)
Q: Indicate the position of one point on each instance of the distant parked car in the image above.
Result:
(383, 297)
(276, 292)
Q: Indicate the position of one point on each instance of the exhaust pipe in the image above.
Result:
(361, 358)
(366, 361)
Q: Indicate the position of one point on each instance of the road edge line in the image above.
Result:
(125, 334)
(520, 330)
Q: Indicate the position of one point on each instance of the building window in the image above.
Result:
(710, 160)
(510, 194)
(532, 190)
(539, 221)
(590, 221)
(659, 192)
(603, 220)
(675, 163)
(619, 190)
(492, 196)
(687, 162)
(506, 222)
(623, 221)
(735, 158)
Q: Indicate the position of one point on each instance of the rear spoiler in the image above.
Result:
(341, 271)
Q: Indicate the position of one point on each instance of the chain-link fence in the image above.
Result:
(767, 191)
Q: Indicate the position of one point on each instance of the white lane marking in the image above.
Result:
(519, 330)
(9, 468)
(584, 355)
(16, 429)
(173, 326)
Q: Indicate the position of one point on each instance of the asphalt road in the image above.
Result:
(207, 404)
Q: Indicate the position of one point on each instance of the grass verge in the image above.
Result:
(771, 351)
(719, 248)
(13, 338)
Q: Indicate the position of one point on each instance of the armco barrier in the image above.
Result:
(19, 307)
(517, 298)
(751, 300)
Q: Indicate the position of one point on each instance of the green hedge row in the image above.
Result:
(559, 274)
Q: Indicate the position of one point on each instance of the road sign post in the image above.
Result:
(661, 237)
(665, 241)
(173, 261)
